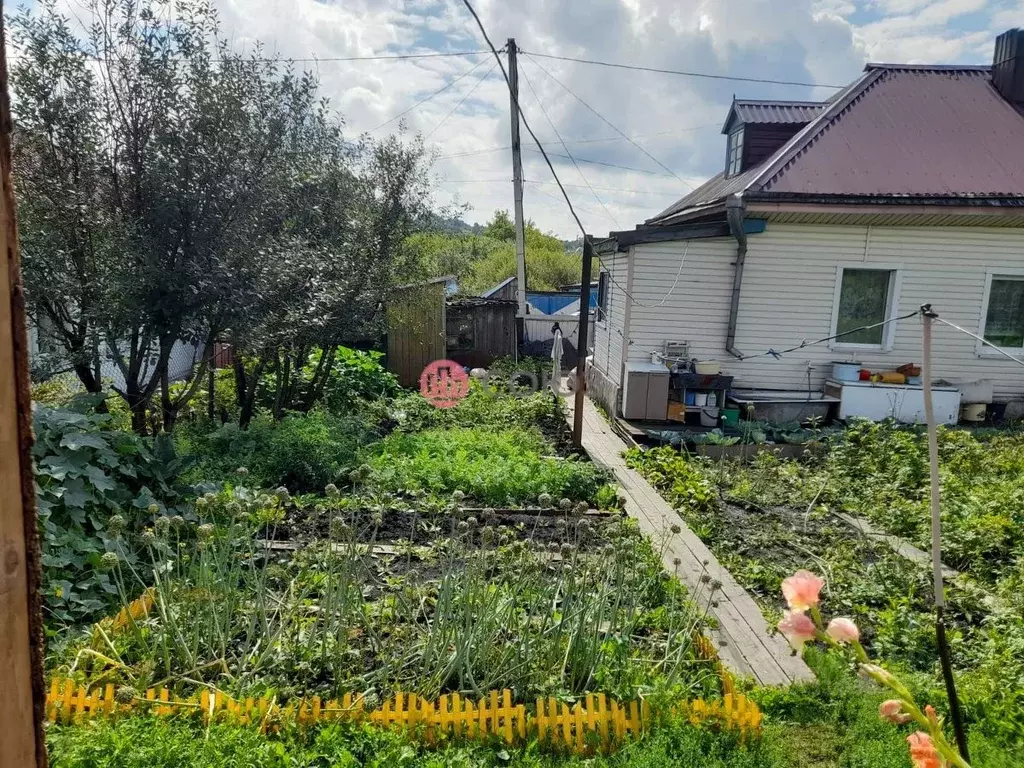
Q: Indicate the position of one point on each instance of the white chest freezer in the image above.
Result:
(903, 402)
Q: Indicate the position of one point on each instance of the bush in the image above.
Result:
(303, 452)
(495, 467)
(87, 472)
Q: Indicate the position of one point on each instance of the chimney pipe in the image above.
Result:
(1008, 66)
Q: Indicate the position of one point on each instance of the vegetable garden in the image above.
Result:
(769, 517)
(377, 545)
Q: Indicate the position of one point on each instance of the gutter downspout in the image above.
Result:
(735, 209)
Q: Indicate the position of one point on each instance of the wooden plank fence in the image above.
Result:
(596, 721)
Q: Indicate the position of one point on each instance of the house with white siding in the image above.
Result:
(905, 188)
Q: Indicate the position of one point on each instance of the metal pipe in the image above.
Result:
(735, 209)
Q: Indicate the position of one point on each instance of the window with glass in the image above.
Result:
(865, 299)
(1004, 319)
(734, 157)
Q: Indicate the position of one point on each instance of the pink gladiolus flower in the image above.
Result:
(923, 753)
(801, 590)
(797, 628)
(843, 630)
(892, 710)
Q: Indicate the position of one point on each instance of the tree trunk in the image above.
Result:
(167, 410)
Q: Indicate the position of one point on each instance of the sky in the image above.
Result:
(676, 120)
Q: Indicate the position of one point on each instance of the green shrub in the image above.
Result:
(495, 467)
(87, 472)
(303, 452)
(358, 376)
(480, 408)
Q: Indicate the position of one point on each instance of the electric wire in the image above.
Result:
(579, 170)
(455, 109)
(608, 122)
(598, 162)
(984, 341)
(424, 100)
(639, 68)
(301, 59)
(522, 116)
(582, 141)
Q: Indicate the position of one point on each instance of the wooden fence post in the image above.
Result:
(22, 695)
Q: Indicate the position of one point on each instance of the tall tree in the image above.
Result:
(213, 193)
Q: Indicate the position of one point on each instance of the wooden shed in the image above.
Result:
(416, 328)
(480, 330)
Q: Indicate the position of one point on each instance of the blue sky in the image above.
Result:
(676, 119)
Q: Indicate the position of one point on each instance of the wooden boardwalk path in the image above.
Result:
(742, 636)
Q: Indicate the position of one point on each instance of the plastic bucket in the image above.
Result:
(690, 399)
(708, 417)
(700, 399)
(708, 367)
(846, 371)
(730, 417)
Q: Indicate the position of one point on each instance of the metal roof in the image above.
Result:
(758, 111)
(897, 132)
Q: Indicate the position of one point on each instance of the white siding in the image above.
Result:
(608, 339)
(788, 294)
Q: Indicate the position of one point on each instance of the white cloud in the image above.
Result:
(824, 41)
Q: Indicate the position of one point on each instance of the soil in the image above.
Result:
(540, 527)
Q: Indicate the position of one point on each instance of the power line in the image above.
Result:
(301, 59)
(998, 349)
(428, 98)
(596, 162)
(540, 147)
(567, 152)
(454, 109)
(606, 189)
(584, 141)
(683, 73)
(606, 120)
(522, 116)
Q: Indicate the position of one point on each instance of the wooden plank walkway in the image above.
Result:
(742, 637)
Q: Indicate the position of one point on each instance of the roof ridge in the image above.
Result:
(776, 165)
(781, 101)
(873, 65)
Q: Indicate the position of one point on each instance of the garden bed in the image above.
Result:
(768, 518)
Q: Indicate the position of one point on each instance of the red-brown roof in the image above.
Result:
(897, 132)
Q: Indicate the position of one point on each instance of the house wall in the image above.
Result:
(788, 296)
(608, 332)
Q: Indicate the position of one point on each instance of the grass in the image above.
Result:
(172, 743)
(830, 723)
(498, 467)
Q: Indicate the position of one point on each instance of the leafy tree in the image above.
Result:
(174, 190)
(482, 261)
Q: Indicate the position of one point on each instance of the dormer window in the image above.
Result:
(734, 156)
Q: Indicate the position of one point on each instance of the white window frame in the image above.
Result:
(984, 350)
(892, 305)
(739, 132)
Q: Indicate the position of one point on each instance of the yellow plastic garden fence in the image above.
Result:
(597, 719)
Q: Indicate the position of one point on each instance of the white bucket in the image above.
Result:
(700, 398)
(708, 367)
(973, 412)
(846, 371)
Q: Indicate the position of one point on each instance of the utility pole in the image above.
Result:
(581, 345)
(517, 181)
